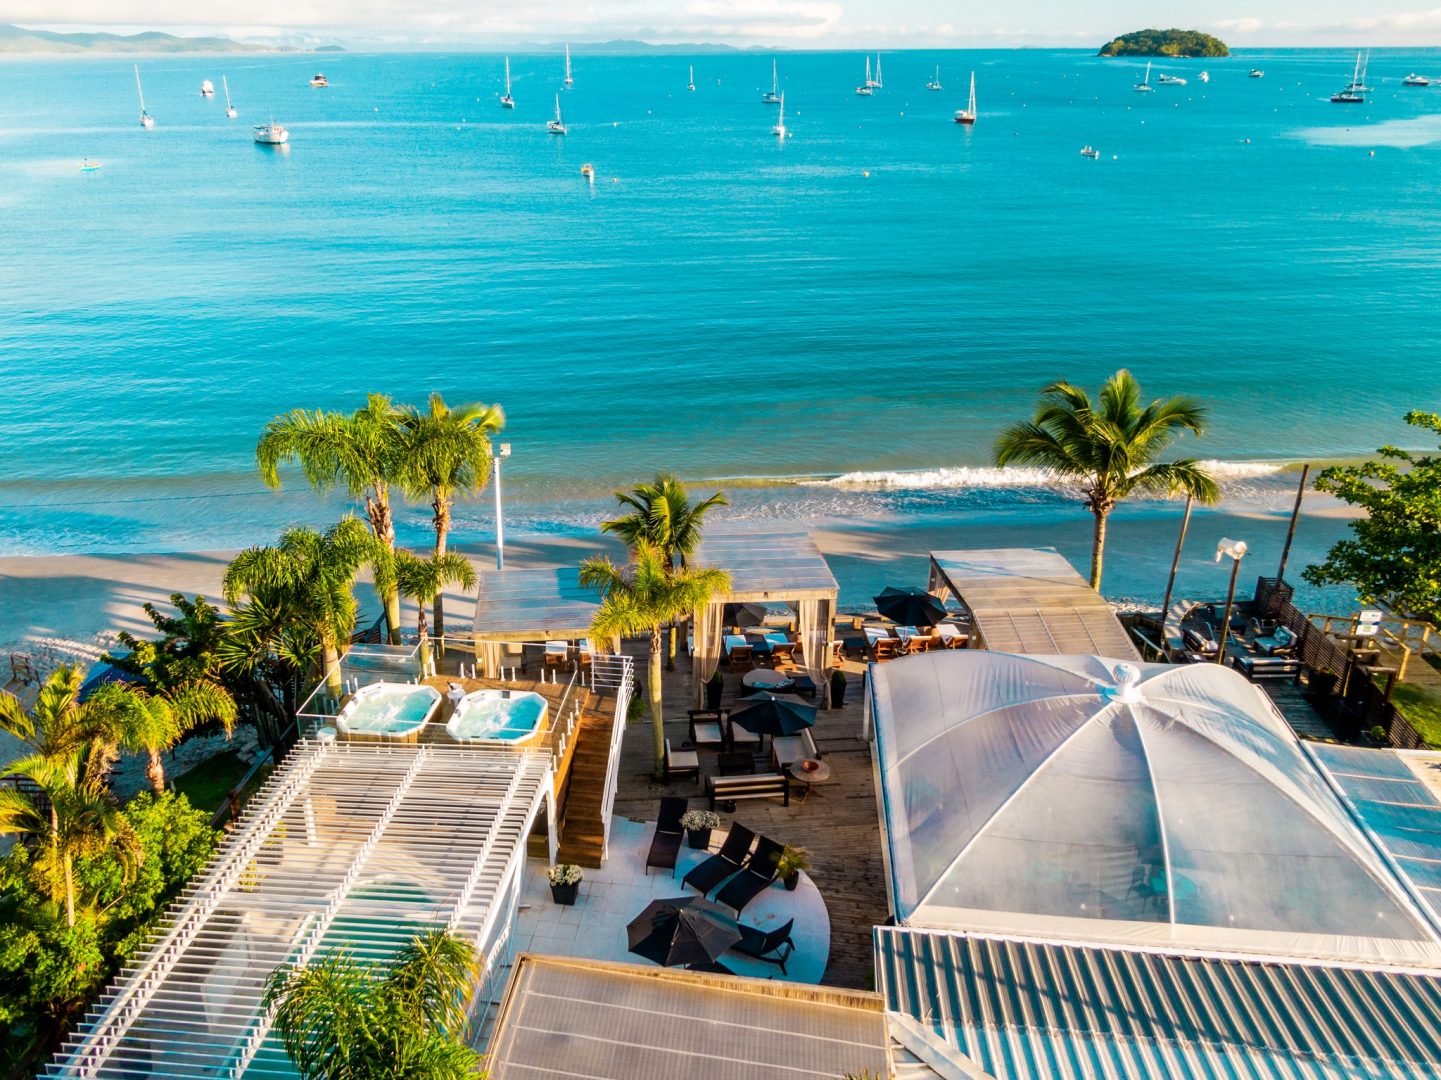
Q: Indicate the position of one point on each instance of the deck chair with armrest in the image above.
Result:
(665, 844)
(757, 874)
(707, 728)
(773, 947)
(723, 864)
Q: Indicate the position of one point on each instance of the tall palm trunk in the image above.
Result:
(330, 654)
(155, 771)
(657, 718)
(382, 523)
(424, 635)
(1098, 546)
(441, 506)
(69, 866)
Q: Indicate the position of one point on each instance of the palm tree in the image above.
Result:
(153, 722)
(662, 514)
(59, 724)
(308, 579)
(640, 599)
(1110, 450)
(422, 579)
(342, 1020)
(447, 455)
(362, 451)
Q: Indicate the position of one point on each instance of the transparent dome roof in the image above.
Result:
(1168, 798)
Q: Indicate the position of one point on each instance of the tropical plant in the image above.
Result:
(662, 515)
(447, 457)
(264, 643)
(1109, 449)
(361, 451)
(791, 861)
(153, 722)
(340, 1019)
(1394, 554)
(59, 725)
(640, 599)
(306, 580)
(421, 578)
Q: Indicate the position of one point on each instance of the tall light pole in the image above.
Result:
(1237, 550)
(500, 455)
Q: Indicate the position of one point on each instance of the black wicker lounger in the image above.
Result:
(774, 947)
(718, 867)
(758, 872)
(665, 844)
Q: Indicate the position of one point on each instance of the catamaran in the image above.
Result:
(935, 83)
(1358, 78)
(556, 126)
(271, 134)
(773, 95)
(968, 114)
(229, 108)
(867, 88)
(568, 80)
(878, 84)
(506, 101)
(779, 131)
(1144, 86)
(146, 121)
(691, 85)
(207, 88)
(1352, 94)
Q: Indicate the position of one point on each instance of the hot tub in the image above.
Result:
(387, 710)
(512, 717)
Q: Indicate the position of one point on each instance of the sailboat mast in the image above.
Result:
(971, 108)
(139, 89)
(775, 82)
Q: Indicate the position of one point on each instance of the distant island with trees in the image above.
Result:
(19, 40)
(1165, 43)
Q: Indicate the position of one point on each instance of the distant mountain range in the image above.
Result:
(17, 39)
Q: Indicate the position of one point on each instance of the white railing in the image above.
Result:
(618, 673)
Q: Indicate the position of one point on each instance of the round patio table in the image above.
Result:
(810, 772)
(766, 679)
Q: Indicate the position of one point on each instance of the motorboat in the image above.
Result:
(1090, 152)
(271, 134)
(1205, 76)
(1256, 73)
(1170, 80)
(1415, 80)
(318, 80)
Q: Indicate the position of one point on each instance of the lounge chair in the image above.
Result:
(741, 739)
(724, 863)
(665, 844)
(1281, 641)
(741, 658)
(681, 763)
(951, 636)
(786, 750)
(756, 876)
(774, 947)
(883, 649)
(707, 728)
(557, 654)
(783, 654)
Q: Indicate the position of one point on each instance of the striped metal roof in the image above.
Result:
(1038, 1010)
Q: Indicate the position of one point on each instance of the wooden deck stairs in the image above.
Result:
(582, 833)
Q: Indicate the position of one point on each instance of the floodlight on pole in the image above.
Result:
(502, 452)
(1236, 549)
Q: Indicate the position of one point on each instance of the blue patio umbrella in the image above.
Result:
(775, 714)
(909, 607)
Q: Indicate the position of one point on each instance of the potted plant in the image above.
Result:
(838, 688)
(565, 881)
(697, 825)
(790, 863)
(714, 688)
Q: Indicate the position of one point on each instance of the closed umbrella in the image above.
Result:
(910, 607)
(775, 714)
(683, 931)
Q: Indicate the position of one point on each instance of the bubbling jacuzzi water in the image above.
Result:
(498, 716)
(393, 709)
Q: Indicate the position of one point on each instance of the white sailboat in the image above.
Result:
(935, 83)
(866, 89)
(878, 84)
(779, 131)
(146, 121)
(1352, 95)
(691, 85)
(556, 126)
(968, 114)
(506, 101)
(773, 95)
(229, 108)
(1358, 80)
(1144, 86)
(568, 80)
(207, 88)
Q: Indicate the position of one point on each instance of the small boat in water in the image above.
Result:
(1205, 76)
(779, 131)
(773, 95)
(556, 126)
(1415, 80)
(1354, 91)
(1144, 86)
(146, 121)
(867, 88)
(968, 114)
(1170, 80)
(1357, 84)
(89, 166)
(691, 85)
(935, 83)
(1347, 97)
(568, 80)
(1256, 73)
(229, 108)
(1090, 152)
(588, 171)
(318, 79)
(506, 101)
(207, 88)
(271, 134)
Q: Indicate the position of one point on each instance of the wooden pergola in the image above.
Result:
(518, 606)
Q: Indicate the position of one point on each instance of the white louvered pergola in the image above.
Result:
(349, 845)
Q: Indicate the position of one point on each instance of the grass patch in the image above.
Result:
(1422, 707)
(208, 783)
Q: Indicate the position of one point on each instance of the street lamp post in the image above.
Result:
(500, 455)
(1237, 550)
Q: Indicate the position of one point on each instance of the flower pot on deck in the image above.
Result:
(565, 894)
(791, 881)
(698, 839)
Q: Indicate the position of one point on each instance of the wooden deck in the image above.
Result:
(838, 824)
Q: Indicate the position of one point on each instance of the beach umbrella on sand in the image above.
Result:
(775, 714)
(910, 607)
(685, 930)
(743, 614)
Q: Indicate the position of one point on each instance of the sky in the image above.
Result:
(781, 23)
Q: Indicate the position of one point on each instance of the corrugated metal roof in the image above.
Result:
(572, 1018)
(534, 604)
(768, 565)
(1037, 1010)
(1031, 600)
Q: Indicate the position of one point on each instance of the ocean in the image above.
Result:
(833, 326)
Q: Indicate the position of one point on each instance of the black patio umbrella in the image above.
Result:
(910, 607)
(682, 931)
(775, 714)
(743, 614)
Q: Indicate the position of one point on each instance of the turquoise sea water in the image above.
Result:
(877, 295)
